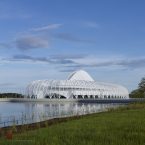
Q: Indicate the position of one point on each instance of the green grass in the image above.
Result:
(122, 126)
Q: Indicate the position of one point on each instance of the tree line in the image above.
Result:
(11, 95)
(140, 91)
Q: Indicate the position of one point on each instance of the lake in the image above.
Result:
(24, 113)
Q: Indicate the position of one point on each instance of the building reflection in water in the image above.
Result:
(25, 113)
(54, 110)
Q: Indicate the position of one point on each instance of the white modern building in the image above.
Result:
(79, 85)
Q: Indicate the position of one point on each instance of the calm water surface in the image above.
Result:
(24, 113)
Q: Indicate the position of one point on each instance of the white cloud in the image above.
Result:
(48, 27)
(112, 62)
(31, 42)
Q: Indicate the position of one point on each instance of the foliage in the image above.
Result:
(11, 95)
(140, 92)
(136, 94)
(141, 85)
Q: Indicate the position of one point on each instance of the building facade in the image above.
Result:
(79, 85)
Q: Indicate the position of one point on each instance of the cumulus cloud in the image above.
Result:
(31, 42)
(48, 27)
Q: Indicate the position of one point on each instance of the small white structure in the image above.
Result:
(79, 85)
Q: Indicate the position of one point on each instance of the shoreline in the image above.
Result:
(49, 122)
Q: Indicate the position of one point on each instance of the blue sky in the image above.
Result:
(48, 39)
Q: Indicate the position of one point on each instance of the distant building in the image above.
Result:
(79, 85)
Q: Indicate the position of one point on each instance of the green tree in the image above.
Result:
(140, 92)
(11, 95)
(141, 85)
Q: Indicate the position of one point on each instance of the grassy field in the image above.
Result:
(122, 126)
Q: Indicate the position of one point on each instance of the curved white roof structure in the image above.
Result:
(80, 75)
(79, 85)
